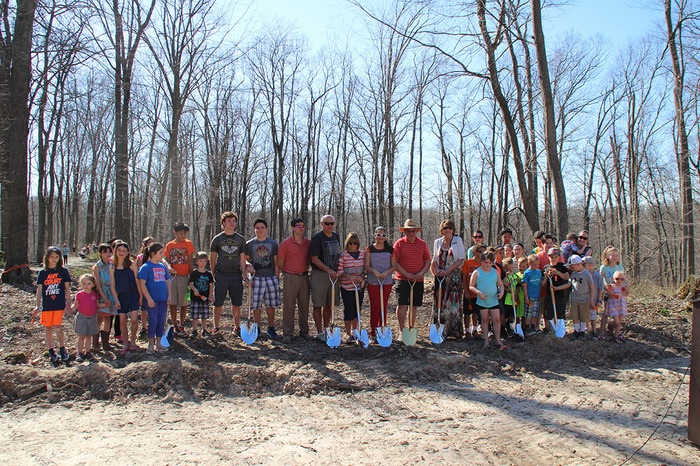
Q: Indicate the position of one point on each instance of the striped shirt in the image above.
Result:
(350, 267)
(411, 256)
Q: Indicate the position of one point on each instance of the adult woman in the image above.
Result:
(379, 265)
(448, 257)
(478, 238)
(351, 272)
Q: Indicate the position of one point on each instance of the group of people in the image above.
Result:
(479, 292)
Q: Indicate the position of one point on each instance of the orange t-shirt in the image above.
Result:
(179, 256)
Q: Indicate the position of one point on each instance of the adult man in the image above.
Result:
(294, 261)
(412, 262)
(227, 261)
(579, 247)
(262, 252)
(324, 250)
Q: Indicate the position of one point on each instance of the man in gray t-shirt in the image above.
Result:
(261, 252)
(226, 254)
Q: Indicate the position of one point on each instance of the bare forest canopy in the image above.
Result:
(147, 112)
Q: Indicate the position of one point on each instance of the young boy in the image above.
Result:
(471, 315)
(201, 283)
(262, 251)
(532, 283)
(583, 296)
(599, 282)
(560, 284)
(510, 299)
(178, 255)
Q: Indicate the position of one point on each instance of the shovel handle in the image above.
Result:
(410, 303)
(333, 282)
(381, 301)
(554, 301)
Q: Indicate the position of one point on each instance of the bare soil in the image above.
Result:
(559, 401)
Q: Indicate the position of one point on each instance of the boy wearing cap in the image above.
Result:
(599, 282)
(559, 275)
(178, 254)
(583, 296)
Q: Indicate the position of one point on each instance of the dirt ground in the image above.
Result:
(545, 400)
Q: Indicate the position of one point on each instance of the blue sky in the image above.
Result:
(617, 20)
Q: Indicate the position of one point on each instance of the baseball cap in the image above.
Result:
(574, 260)
(553, 251)
(588, 260)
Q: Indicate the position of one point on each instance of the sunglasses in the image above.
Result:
(583, 237)
(381, 235)
(619, 279)
(328, 224)
(447, 228)
(409, 231)
(299, 225)
(477, 236)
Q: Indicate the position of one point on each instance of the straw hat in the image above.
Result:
(411, 225)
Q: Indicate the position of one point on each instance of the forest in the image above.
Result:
(119, 118)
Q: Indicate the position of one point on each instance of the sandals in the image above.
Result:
(133, 347)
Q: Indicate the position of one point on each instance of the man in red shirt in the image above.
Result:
(412, 262)
(294, 261)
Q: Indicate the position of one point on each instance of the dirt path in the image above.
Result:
(548, 419)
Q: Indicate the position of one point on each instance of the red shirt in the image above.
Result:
(295, 256)
(179, 255)
(411, 256)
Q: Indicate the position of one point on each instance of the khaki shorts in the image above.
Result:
(321, 289)
(179, 290)
(581, 312)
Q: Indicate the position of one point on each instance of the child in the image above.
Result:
(617, 303)
(201, 283)
(103, 283)
(155, 286)
(560, 284)
(486, 284)
(471, 315)
(583, 296)
(510, 284)
(589, 264)
(532, 282)
(127, 294)
(518, 252)
(519, 294)
(610, 265)
(478, 238)
(262, 251)
(144, 307)
(52, 289)
(351, 273)
(86, 303)
(178, 254)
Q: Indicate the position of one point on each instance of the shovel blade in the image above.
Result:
(249, 333)
(409, 336)
(363, 338)
(560, 329)
(519, 331)
(437, 333)
(384, 336)
(333, 337)
(164, 339)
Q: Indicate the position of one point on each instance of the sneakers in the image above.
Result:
(194, 334)
(89, 356)
(287, 339)
(216, 331)
(321, 336)
(52, 355)
(205, 333)
(64, 354)
(79, 357)
(272, 333)
(306, 336)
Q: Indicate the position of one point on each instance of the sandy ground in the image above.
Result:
(549, 419)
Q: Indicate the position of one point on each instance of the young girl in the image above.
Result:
(610, 265)
(52, 290)
(616, 306)
(103, 286)
(486, 284)
(144, 308)
(126, 292)
(86, 303)
(350, 270)
(155, 286)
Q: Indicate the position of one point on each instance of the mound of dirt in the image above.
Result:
(198, 369)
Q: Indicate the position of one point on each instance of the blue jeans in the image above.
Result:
(156, 319)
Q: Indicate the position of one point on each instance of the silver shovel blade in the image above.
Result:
(333, 337)
(519, 331)
(249, 333)
(363, 337)
(560, 328)
(437, 333)
(384, 337)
